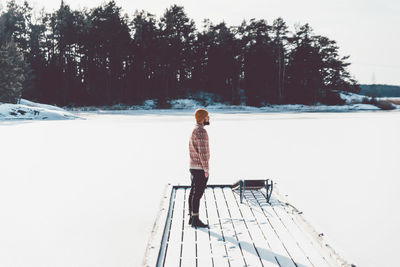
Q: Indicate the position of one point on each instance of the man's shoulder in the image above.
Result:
(199, 130)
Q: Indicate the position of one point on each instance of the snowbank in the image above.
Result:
(294, 108)
(352, 98)
(189, 105)
(33, 104)
(384, 103)
(394, 100)
(184, 104)
(27, 110)
(354, 102)
(353, 105)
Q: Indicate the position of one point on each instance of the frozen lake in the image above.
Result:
(86, 192)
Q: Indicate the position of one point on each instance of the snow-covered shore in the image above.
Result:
(353, 102)
(227, 109)
(27, 110)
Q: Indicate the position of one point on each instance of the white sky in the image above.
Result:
(364, 29)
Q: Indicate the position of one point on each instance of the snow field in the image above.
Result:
(86, 192)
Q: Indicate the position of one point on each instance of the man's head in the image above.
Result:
(202, 117)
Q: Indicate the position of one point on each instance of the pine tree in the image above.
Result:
(107, 46)
(261, 79)
(304, 77)
(334, 68)
(144, 60)
(101, 57)
(221, 67)
(280, 43)
(12, 73)
(176, 51)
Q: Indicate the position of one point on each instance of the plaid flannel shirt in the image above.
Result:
(199, 149)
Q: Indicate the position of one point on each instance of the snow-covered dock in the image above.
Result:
(252, 233)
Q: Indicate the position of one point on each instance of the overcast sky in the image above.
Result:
(367, 30)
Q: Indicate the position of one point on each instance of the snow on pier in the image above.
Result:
(251, 233)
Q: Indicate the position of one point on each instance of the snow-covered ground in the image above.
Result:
(86, 192)
(353, 102)
(179, 105)
(28, 110)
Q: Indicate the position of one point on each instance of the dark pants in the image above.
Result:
(199, 183)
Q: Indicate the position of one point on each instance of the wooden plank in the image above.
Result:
(173, 255)
(291, 245)
(189, 253)
(235, 254)
(254, 234)
(277, 247)
(267, 256)
(312, 252)
(204, 247)
(330, 256)
(219, 251)
(251, 254)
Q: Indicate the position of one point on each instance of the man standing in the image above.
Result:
(199, 151)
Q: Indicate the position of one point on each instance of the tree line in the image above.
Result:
(380, 90)
(103, 57)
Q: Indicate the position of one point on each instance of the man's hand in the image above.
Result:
(206, 174)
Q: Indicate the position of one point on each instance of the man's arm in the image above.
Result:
(204, 151)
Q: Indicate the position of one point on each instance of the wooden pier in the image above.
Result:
(252, 233)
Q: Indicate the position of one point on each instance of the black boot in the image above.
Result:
(190, 220)
(197, 223)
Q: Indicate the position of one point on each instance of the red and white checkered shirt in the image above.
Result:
(199, 149)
